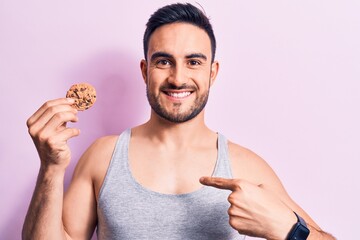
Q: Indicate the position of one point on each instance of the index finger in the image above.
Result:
(45, 106)
(221, 183)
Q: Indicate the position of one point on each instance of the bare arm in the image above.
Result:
(53, 214)
(44, 215)
(80, 200)
(48, 130)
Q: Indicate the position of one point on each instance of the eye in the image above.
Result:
(163, 63)
(194, 62)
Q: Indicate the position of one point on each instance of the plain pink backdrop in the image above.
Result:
(288, 88)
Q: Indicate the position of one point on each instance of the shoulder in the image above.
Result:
(94, 163)
(102, 146)
(99, 150)
(98, 154)
(249, 166)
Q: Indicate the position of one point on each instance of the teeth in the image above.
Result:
(179, 95)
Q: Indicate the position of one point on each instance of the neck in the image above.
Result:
(177, 135)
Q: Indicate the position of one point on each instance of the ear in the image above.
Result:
(143, 67)
(213, 72)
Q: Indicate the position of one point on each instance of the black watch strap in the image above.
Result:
(300, 231)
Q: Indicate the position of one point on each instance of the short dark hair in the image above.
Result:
(179, 12)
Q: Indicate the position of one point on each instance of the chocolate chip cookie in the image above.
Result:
(84, 95)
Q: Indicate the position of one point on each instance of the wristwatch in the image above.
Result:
(300, 231)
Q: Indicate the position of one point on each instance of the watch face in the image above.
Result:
(303, 232)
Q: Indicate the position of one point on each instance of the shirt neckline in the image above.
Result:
(191, 194)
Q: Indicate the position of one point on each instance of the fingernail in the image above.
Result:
(70, 100)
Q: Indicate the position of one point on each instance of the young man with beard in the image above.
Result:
(148, 183)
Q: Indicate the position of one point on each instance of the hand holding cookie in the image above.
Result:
(47, 128)
(84, 95)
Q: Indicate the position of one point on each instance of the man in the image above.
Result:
(148, 183)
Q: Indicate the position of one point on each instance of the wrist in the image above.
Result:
(52, 172)
(283, 226)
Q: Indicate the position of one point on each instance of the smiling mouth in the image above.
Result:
(178, 94)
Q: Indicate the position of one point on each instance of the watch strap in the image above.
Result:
(300, 230)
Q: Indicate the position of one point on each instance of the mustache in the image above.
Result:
(170, 86)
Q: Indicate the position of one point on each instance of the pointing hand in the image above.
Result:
(254, 210)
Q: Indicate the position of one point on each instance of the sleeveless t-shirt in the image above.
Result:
(127, 210)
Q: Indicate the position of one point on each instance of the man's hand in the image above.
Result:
(47, 127)
(254, 210)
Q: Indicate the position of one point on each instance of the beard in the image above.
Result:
(176, 115)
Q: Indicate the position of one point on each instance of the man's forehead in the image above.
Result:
(180, 39)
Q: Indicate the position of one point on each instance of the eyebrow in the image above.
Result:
(159, 55)
(196, 55)
(167, 55)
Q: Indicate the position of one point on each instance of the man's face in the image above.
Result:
(179, 72)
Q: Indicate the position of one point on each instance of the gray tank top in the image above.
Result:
(127, 210)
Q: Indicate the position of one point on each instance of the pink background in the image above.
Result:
(288, 88)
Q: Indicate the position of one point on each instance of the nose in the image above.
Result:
(178, 76)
